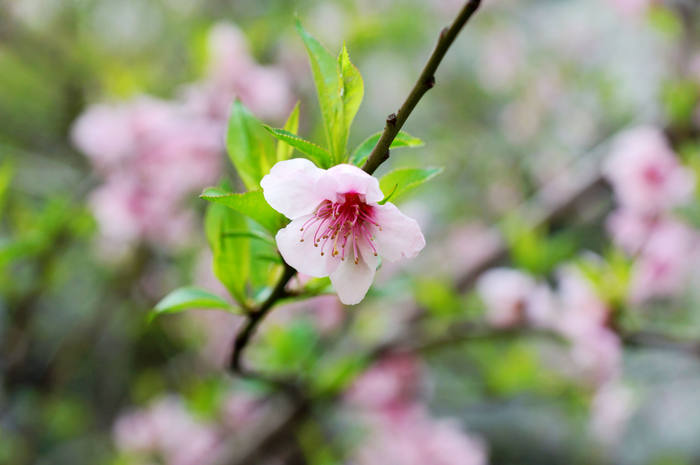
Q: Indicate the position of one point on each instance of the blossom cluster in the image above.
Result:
(400, 429)
(575, 312)
(649, 182)
(166, 431)
(150, 154)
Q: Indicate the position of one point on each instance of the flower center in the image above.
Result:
(341, 225)
(654, 175)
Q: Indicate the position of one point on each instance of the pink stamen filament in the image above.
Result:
(336, 221)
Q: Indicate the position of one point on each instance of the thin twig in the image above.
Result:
(425, 82)
(652, 340)
(255, 317)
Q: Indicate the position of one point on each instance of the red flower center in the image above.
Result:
(342, 225)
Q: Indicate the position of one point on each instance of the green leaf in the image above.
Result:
(403, 139)
(6, 172)
(352, 90)
(320, 156)
(284, 150)
(535, 249)
(251, 204)
(328, 83)
(249, 148)
(401, 181)
(389, 195)
(231, 254)
(188, 298)
(251, 235)
(680, 100)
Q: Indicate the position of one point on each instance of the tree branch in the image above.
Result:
(425, 82)
(255, 317)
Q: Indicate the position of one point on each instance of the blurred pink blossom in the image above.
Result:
(154, 158)
(574, 310)
(154, 154)
(470, 245)
(506, 293)
(612, 406)
(416, 439)
(630, 230)
(400, 431)
(168, 431)
(325, 311)
(645, 173)
(583, 317)
(241, 409)
(663, 267)
(632, 7)
(232, 73)
(389, 385)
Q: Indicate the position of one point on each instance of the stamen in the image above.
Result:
(336, 221)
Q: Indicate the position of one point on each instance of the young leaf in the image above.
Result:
(320, 156)
(231, 254)
(328, 83)
(401, 181)
(251, 204)
(284, 150)
(403, 139)
(188, 298)
(352, 91)
(249, 148)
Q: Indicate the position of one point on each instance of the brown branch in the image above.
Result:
(425, 82)
(255, 317)
(653, 340)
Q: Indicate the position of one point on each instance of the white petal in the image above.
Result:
(352, 280)
(399, 237)
(302, 256)
(345, 178)
(290, 187)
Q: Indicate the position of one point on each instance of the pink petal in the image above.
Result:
(352, 280)
(399, 237)
(303, 256)
(345, 178)
(289, 188)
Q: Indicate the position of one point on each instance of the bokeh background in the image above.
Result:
(553, 317)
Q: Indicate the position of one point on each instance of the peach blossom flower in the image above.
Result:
(646, 174)
(338, 229)
(506, 293)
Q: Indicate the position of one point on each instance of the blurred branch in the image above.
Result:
(653, 340)
(425, 82)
